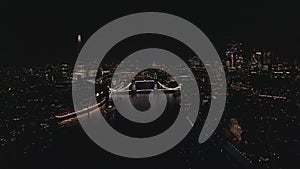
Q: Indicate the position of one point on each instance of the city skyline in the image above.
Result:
(48, 93)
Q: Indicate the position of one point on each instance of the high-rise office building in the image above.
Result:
(234, 55)
(260, 61)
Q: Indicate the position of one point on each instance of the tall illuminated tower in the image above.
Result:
(234, 55)
(79, 43)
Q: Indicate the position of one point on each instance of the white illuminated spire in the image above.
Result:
(79, 39)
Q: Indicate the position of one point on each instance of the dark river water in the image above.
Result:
(72, 148)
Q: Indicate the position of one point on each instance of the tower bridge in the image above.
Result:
(137, 86)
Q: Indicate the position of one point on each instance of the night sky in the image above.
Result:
(46, 33)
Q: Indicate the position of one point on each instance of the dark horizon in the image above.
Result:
(47, 34)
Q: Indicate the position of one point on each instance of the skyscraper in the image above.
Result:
(234, 55)
(260, 61)
(79, 43)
